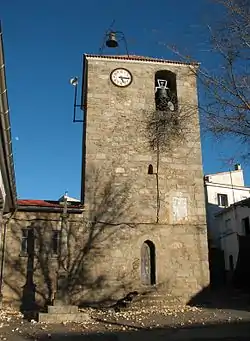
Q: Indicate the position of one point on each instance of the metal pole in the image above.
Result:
(61, 294)
(75, 99)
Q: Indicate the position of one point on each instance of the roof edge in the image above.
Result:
(31, 204)
(140, 59)
(49, 209)
(6, 128)
(225, 172)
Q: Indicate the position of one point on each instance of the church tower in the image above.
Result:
(142, 173)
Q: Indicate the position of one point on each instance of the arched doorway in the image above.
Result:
(148, 263)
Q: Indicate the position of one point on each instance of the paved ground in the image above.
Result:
(147, 322)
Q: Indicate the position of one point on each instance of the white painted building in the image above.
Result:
(222, 190)
(232, 222)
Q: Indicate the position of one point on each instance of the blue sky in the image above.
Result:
(44, 42)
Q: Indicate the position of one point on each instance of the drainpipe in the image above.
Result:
(6, 223)
(235, 216)
(61, 295)
(6, 130)
(234, 208)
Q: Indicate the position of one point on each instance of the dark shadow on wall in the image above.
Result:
(223, 298)
(216, 268)
(107, 208)
(241, 274)
(227, 290)
(215, 332)
(29, 288)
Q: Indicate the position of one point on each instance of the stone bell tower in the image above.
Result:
(151, 195)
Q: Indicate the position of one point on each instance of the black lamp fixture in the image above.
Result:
(74, 82)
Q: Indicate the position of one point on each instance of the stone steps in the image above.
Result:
(63, 313)
(60, 309)
(55, 318)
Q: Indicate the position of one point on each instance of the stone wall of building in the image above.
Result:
(118, 153)
(108, 256)
(117, 144)
(104, 262)
(37, 265)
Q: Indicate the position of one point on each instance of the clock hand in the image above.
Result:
(122, 78)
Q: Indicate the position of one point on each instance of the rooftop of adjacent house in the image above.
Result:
(140, 59)
(29, 203)
(69, 199)
(237, 168)
(242, 203)
(234, 177)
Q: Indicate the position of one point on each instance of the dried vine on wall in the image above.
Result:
(167, 127)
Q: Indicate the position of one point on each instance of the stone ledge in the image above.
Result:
(55, 318)
(60, 309)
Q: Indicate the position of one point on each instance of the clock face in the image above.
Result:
(121, 77)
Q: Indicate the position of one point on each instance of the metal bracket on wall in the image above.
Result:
(74, 82)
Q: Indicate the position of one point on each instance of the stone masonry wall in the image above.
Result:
(120, 209)
(39, 265)
(117, 145)
(105, 259)
(118, 154)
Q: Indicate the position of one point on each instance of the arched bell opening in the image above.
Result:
(165, 91)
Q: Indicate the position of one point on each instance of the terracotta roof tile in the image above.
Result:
(142, 58)
(42, 203)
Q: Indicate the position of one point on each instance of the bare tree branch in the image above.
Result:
(226, 108)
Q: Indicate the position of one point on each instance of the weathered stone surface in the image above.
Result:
(59, 318)
(62, 309)
(123, 140)
(121, 207)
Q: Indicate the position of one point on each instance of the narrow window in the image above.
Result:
(222, 200)
(55, 242)
(27, 242)
(246, 226)
(231, 263)
(24, 241)
(150, 169)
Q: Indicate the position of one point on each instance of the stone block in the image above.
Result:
(56, 318)
(60, 309)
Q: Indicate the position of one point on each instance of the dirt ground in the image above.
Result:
(149, 322)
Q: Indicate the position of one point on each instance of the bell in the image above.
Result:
(162, 93)
(161, 99)
(111, 42)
